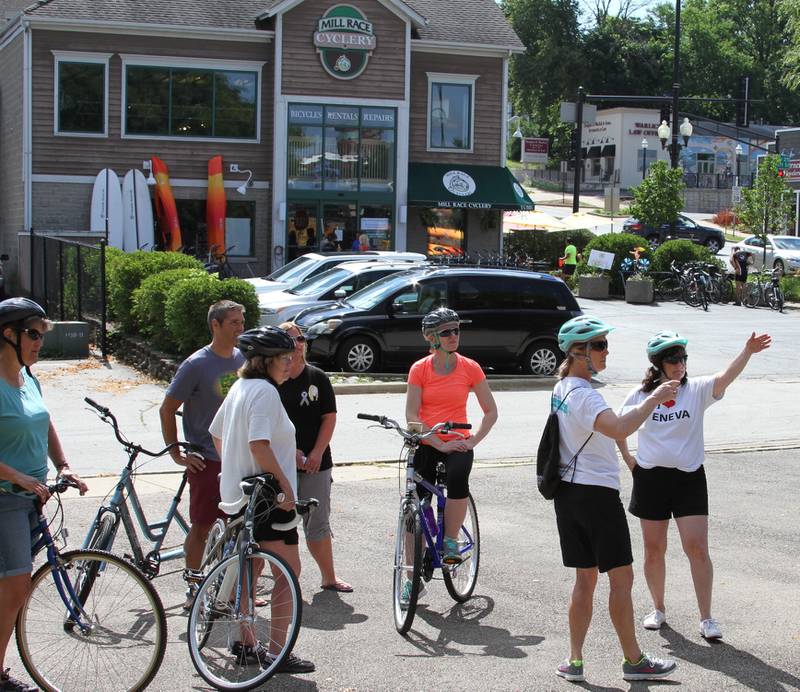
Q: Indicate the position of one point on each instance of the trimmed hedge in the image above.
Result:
(544, 246)
(681, 251)
(187, 303)
(621, 244)
(126, 274)
(149, 302)
(791, 287)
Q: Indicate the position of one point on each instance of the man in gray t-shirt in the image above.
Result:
(197, 386)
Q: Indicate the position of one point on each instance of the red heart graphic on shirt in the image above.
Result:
(670, 403)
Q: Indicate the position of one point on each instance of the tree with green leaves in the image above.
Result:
(659, 197)
(768, 206)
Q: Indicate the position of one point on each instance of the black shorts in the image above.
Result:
(568, 269)
(458, 466)
(263, 531)
(741, 278)
(592, 527)
(660, 493)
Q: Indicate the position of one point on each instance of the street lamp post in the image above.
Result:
(644, 158)
(739, 152)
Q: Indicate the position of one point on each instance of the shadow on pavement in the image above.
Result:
(728, 660)
(461, 625)
(329, 611)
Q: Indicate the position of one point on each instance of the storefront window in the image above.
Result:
(340, 171)
(302, 229)
(446, 229)
(240, 224)
(377, 160)
(375, 228)
(304, 148)
(339, 227)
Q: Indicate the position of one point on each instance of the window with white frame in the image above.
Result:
(451, 107)
(81, 93)
(191, 99)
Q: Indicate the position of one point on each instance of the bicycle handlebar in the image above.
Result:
(108, 417)
(391, 424)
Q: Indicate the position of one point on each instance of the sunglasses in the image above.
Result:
(598, 345)
(455, 331)
(284, 358)
(674, 360)
(33, 334)
(300, 339)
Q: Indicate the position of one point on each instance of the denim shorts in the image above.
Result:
(18, 520)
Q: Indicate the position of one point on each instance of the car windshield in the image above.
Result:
(786, 243)
(295, 268)
(322, 283)
(367, 298)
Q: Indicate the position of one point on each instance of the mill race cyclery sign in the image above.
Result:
(344, 40)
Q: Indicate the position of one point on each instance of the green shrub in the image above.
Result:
(791, 287)
(127, 273)
(149, 303)
(543, 246)
(681, 251)
(621, 244)
(186, 308)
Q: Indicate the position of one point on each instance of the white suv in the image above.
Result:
(313, 263)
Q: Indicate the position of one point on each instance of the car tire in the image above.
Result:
(541, 358)
(653, 241)
(778, 264)
(713, 246)
(358, 354)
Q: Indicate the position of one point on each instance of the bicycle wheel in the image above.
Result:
(774, 297)
(212, 552)
(214, 626)
(691, 293)
(407, 566)
(103, 536)
(460, 579)
(752, 296)
(668, 289)
(124, 645)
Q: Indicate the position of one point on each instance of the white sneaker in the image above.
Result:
(710, 629)
(654, 620)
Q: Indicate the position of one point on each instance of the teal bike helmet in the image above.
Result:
(664, 340)
(581, 329)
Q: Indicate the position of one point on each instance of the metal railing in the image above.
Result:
(716, 181)
(68, 278)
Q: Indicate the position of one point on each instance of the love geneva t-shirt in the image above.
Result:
(597, 462)
(672, 436)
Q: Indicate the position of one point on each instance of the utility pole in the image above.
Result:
(676, 87)
(576, 188)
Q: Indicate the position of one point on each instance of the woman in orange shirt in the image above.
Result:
(438, 388)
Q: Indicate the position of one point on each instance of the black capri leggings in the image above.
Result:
(457, 464)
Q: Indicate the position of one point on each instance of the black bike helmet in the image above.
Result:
(19, 310)
(436, 318)
(265, 341)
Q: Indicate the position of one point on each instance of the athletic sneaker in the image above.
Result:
(710, 629)
(452, 555)
(405, 595)
(9, 684)
(647, 668)
(571, 670)
(654, 620)
(293, 664)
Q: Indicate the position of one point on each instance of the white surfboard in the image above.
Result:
(106, 212)
(137, 213)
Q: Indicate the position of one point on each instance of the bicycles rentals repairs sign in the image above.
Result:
(345, 41)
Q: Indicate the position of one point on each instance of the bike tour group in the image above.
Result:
(259, 457)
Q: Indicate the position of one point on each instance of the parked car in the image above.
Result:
(323, 289)
(512, 319)
(783, 251)
(685, 229)
(313, 263)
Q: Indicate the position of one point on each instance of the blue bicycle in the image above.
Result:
(91, 620)
(415, 563)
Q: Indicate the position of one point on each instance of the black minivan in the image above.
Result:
(511, 319)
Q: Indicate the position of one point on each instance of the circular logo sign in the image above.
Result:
(344, 40)
(520, 192)
(458, 183)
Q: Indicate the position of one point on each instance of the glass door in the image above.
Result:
(338, 226)
(302, 228)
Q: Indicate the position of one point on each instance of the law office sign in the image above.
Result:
(535, 149)
(345, 41)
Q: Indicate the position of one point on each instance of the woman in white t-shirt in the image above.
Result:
(668, 475)
(592, 526)
(253, 435)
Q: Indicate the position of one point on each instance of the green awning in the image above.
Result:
(455, 186)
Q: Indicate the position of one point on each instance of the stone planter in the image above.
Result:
(639, 291)
(593, 287)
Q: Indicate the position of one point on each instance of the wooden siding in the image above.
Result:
(302, 72)
(58, 155)
(487, 113)
(11, 185)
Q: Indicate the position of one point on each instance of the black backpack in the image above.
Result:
(548, 474)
